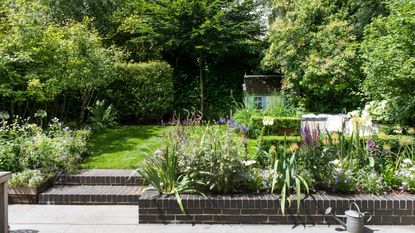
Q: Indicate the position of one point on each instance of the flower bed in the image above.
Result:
(36, 155)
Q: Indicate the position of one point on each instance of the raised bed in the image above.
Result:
(26, 195)
(265, 209)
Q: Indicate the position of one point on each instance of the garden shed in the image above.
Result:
(260, 91)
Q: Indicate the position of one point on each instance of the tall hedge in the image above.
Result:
(142, 92)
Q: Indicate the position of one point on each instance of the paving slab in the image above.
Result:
(124, 219)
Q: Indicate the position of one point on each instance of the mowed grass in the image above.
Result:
(122, 147)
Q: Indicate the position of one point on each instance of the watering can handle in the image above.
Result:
(370, 216)
(357, 207)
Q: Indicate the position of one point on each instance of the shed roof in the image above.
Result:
(262, 84)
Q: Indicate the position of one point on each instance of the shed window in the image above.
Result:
(259, 102)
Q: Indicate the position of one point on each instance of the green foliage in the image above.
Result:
(142, 91)
(389, 60)
(200, 39)
(244, 115)
(51, 151)
(289, 126)
(315, 44)
(213, 154)
(8, 159)
(102, 116)
(162, 172)
(285, 177)
(58, 68)
(27, 178)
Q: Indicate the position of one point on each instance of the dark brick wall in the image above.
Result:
(265, 209)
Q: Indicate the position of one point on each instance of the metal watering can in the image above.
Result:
(354, 218)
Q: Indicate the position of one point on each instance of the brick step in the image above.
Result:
(116, 177)
(92, 195)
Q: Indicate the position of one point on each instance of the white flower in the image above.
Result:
(407, 161)
(249, 162)
(335, 162)
(268, 121)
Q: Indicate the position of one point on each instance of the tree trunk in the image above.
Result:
(201, 80)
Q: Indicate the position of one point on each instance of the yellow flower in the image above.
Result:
(272, 150)
(405, 141)
(411, 131)
(335, 136)
(381, 135)
(325, 142)
(386, 147)
(293, 148)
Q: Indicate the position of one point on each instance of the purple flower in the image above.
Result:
(336, 180)
(222, 120)
(33, 142)
(66, 128)
(371, 144)
(245, 142)
(64, 155)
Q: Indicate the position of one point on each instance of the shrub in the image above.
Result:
(388, 42)
(211, 154)
(103, 116)
(50, 151)
(142, 91)
(8, 156)
(289, 126)
(27, 178)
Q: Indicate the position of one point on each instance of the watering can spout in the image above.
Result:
(329, 212)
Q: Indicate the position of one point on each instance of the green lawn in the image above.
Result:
(122, 147)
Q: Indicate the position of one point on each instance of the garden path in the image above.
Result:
(124, 219)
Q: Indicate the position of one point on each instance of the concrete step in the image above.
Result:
(117, 177)
(91, 195)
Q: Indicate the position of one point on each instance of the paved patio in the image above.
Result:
(120, 219)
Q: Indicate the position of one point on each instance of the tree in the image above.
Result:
(389, 60)
(185, 31)
(50, 66)
(315, 44)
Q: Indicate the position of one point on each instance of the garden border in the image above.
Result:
(265, 209)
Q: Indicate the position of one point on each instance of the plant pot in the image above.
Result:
(27, 195)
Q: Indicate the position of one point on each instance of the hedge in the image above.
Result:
(289, 126)
(142, 92)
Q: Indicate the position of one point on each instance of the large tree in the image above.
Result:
(315, 44)
(48, 66)
(189, 31)
(389, 60)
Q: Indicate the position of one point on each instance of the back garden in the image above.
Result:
(119, 88)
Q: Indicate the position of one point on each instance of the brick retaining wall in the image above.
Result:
(265, 209)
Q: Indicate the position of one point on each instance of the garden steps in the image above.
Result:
(95, 187)
(119, 177)
(92, 195)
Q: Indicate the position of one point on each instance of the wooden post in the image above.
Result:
(4, 205)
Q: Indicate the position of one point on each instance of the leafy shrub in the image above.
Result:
(289, 126)
(51, 151)
(103, 116)
(142, 91)
(213, 154)
(388, 42)
(27, 178)
(8, 159)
